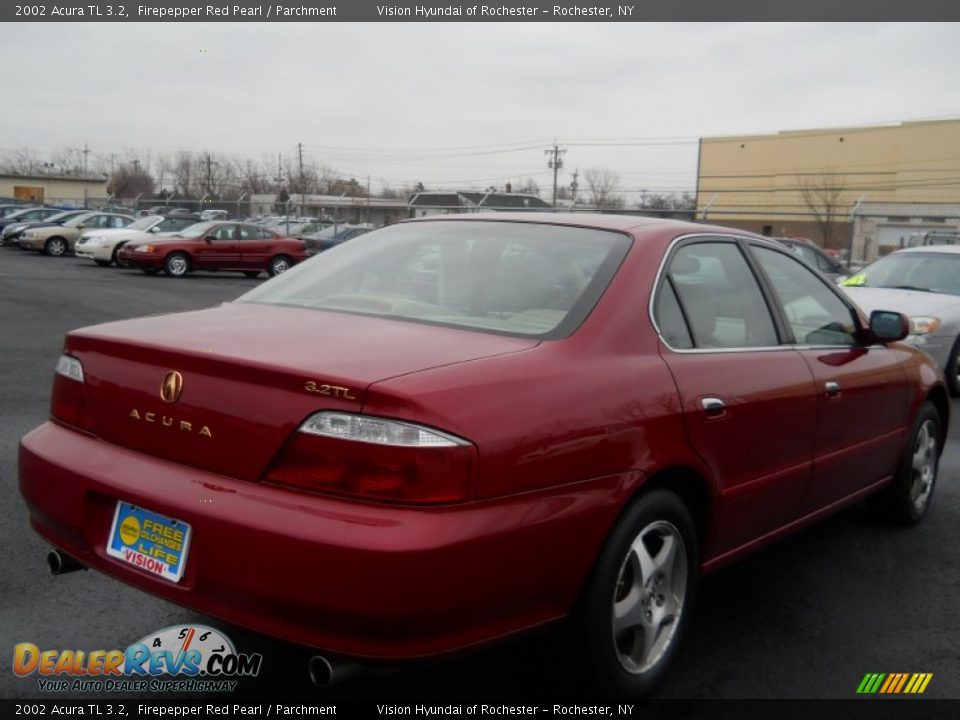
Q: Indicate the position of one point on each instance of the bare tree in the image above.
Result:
(528, 187)
(21, 161)
(821, 194)
(129, 181)
(668, 204)
(603, 186)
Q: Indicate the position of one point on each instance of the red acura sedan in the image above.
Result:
(455, 429)
(232, 246)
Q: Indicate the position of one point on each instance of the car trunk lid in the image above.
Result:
(223, 389)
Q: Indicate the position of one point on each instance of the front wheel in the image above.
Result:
(907, 498)
(279, 264)
(55, 247)
(636, 605)
(176, 264)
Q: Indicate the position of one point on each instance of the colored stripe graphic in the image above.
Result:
(903, 680)
(894, 683)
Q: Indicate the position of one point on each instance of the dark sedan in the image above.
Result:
(229, 246)
(332, 235)
(817, 258)
(30, 214)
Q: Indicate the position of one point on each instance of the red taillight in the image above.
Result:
(68, 403)
(372, 471)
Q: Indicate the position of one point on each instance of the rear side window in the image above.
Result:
(720, 298)
(673, 326)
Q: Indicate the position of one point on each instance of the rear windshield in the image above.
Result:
(507, 277)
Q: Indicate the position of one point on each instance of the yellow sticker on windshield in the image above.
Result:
(856, 280)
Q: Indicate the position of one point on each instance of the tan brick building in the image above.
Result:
(759, 182)
(66, 190)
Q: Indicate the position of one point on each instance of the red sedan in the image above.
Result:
(455, 429)
(231, 246)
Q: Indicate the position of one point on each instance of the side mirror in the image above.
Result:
(887, 326)
(208, 239)
(81, 226)
(155, 229)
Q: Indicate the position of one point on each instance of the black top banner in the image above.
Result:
(493, 11)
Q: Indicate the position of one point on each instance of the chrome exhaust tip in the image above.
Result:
(327, 672)
(60, 563)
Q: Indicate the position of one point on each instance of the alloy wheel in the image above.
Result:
(923, 464)
(650, 596)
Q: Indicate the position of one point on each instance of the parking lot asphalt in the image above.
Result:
(806, 618)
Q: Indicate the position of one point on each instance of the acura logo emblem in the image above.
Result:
(172, 387)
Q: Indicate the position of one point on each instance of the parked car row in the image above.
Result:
(176, 244)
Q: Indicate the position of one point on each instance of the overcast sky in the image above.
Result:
(400, 101)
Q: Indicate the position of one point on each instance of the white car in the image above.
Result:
(101, 246)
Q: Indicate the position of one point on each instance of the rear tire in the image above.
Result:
(279, 265)
(906, 499)
(636, 606)
(115, 255)
(176, 264)
(55, 247)
(951, 372)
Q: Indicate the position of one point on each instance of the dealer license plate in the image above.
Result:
(147, 540)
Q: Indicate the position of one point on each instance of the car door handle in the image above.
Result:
(832, 388)
(713, 406)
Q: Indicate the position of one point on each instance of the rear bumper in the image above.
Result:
(363, 581)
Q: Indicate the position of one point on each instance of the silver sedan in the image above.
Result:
(924, 284)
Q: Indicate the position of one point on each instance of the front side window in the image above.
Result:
(174, 224)
(224, 232)
(515, 278)
(720, 298)
(814, 313)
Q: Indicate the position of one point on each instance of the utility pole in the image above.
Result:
(555, 163)
(209, 163)
(136, 166)
(86, 151)
(303, 210)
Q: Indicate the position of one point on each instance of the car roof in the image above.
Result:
(952, 249)
(600, 222)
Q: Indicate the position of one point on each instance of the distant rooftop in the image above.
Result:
(470, 199)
